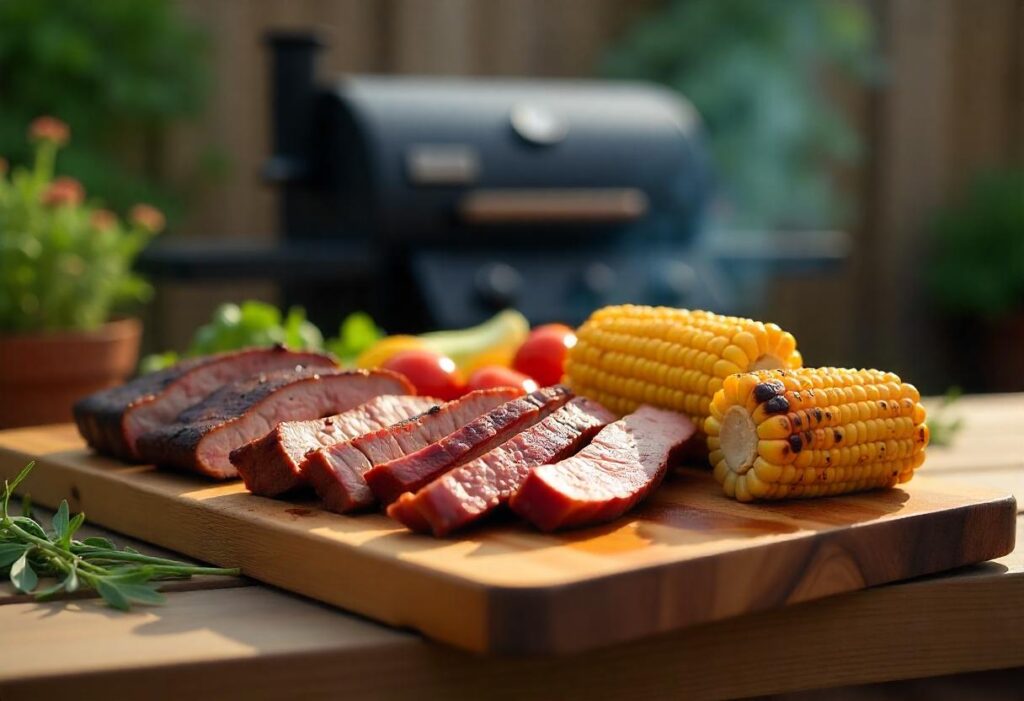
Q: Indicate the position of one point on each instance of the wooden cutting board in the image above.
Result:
(688, 556)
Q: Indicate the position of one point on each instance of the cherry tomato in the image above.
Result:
(500, 376)
(542, 355)
(431, 374)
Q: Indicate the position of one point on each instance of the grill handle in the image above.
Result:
(552, 205)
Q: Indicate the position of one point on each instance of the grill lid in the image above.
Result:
(433, 158)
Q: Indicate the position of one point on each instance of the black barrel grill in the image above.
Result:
(434, 202)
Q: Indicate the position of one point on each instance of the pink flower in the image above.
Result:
(103, 220)
(49, 129)
(148, 217)
(64, 192)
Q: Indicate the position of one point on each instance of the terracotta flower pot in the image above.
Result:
(42, 374)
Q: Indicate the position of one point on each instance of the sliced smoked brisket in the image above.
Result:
(390, 480)
(275, 463)
(470, 492)
(620, 467)
(112, 420)
(203, 435)
(337, 472)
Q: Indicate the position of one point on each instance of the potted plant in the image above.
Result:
(976, 276)
(65, 265)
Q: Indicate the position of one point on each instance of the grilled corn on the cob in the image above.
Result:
(814, 431)
(671, 358)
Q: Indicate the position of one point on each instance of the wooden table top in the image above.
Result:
(225, 638)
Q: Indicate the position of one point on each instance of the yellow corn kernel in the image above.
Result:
(773, 427)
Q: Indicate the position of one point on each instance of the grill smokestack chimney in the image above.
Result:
(293, 94)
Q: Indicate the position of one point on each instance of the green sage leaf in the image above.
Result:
(99, 542)
(142, 593)
(74, 525)
(23, 577)
(10, 552)
(27, 524)
(60, 520)
(111, 593)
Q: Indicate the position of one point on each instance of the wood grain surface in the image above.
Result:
(689, 556)
(255, 643)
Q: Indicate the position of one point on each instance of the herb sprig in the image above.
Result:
(121, 577)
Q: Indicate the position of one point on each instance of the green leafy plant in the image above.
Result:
(943, 422)
(121, 577)
(753, 70)
(254, 323)
(119, 72)
(977, 268)
(64, 263)
(357, 333)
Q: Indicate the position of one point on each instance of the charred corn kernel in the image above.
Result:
(673, 358)
(776, 452)
(780, 434)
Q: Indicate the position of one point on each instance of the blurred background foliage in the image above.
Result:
(255, 323)
(977, 266)
(755, 72)
(119, 72)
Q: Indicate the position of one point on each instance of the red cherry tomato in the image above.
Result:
(499, 376)
(542, 355)
(431, 374)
